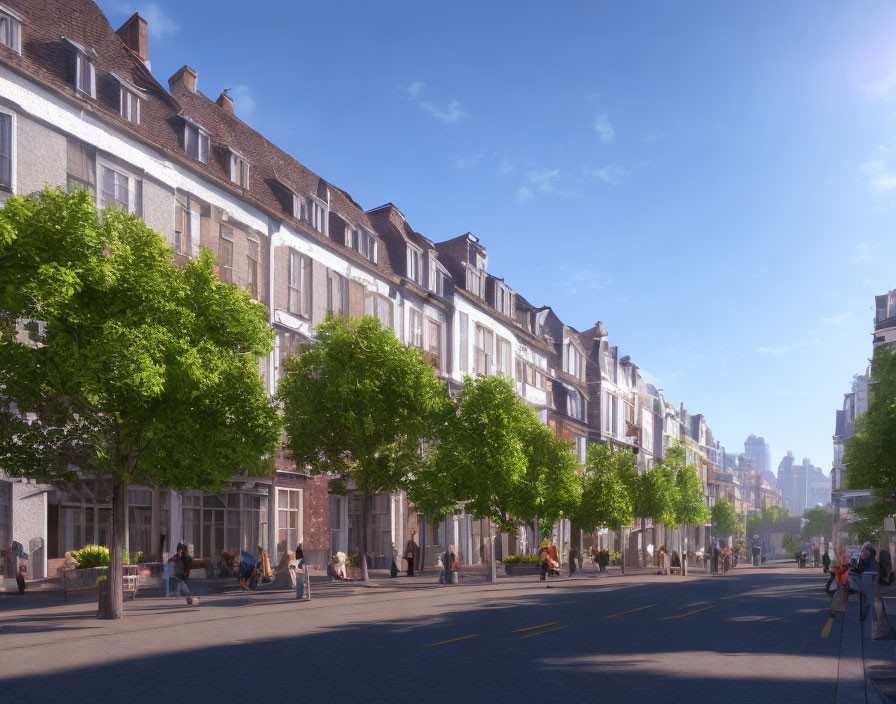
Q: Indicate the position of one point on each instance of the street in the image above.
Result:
(757, 634)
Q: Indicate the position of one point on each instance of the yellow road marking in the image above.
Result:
(696, 603)
(452, 640)
(540, 625)
(826, 631)
(538, 633)
(630, 611)
(695, 611)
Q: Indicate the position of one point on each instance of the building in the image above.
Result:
(803, 486)
(844, 500)
(758, 449)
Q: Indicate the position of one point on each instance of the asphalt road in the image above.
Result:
(756, 635)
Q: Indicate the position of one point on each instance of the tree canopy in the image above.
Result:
(724, 518)
(133, 369)
(658, 495)
(606, 493)
(819, 522)
(361, 405)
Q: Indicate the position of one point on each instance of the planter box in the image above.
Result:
(520, 570)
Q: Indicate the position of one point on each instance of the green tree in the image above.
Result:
(606, 493)
(144, 373)
(658, 495)
(724, 519)
(790, 544)
(819, 522)
(871, 452)
(360, 405)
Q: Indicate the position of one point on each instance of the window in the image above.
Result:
(10, 31)
(503, 300)
(239, 170)
(7, 151)
(504, 357)
(414, 260)
(299, 300)
(85, 75)
(379, 306)
(316, 211)
(289, 520)
(474, 282)
(252, 272)
(196, 142)
(80, 167)
(362, 242)
(129, 105)
(119, 190)
(298, 206)
(434, 342)
(575, 407)
(337, 293)
(436, 277)
(186, 225)
(415, 332)
(140, 522)
(483, 362)
(225, 254)
(573, 360)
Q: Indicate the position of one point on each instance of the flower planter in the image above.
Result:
(522, 569)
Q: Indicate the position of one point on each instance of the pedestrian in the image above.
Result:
(181, 562)
(757, 551)
(303, 583)
(573, 554)
(410, 553)
(452, 571)
(825, 562)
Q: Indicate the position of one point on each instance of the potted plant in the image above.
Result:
(521, 564)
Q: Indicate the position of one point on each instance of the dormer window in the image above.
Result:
(10, 29)
(436, 277)
(239, 169)
(195, 140)
(85, 75)
(316, 215)
(130, 105)
(474, 281)
(503, 299)
(574, 361)
(415, 259)
(358, 239)
(297, 207)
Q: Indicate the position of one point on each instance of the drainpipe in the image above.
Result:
(272, 385)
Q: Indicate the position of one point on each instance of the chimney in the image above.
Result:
(183, 76)
(134, 34)
(226, 102)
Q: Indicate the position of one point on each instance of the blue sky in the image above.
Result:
(714, 181)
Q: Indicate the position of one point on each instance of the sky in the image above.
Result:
(716, 182)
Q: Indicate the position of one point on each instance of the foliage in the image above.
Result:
(772, 519)
(521, 560)
(724, 519)
(128, 558)
(489, 430)
(658, 495)
(790, 545)
(819, 522)
(606, 489)
(871, 452)
(605, 557)
(551, 488)
(353, 559)
(145, 373)
(91, 556)
(359, 404)
(690, 508)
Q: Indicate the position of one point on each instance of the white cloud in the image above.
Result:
(159, 24)
(468, 162)
(652, 137)
(524, 194)
(505, 166)
(449, 115)
(544, 180)
(772, 350)
(881, 176)
(838, 319)
(608, 174)
(415, 88)
(243, 103)
(578, 280)
(604, 128)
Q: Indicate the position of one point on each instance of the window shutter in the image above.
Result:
(464, 343)
(92, 70)
(5, 150)
(194, 233)
(306, 286)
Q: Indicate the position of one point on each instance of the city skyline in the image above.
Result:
(621, 173)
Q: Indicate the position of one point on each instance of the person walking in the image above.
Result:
(825, 562)
(410, 553)
(452, 566)
(303, 583)
(181, 561)
(757, 551)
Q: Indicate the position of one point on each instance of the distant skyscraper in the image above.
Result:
(804, 486)
(758, 449)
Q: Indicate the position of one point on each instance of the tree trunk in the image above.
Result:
(119, 530)
(365, 509)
